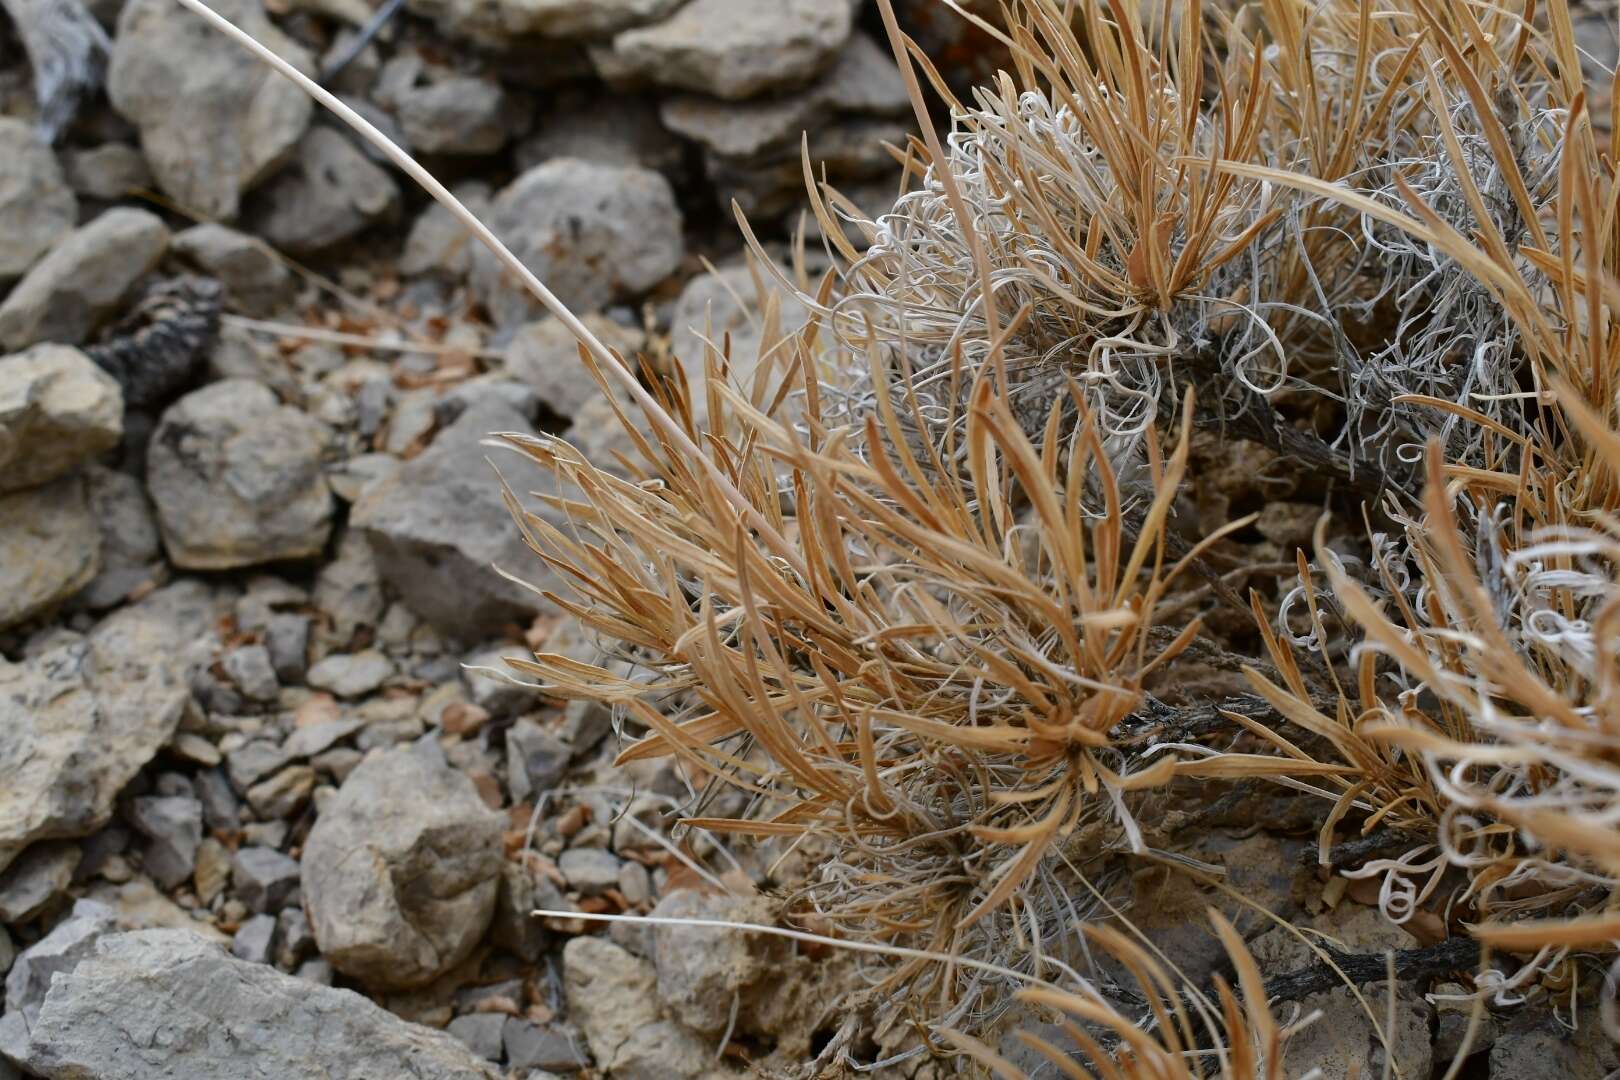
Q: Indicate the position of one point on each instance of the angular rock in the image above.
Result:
(79, 720)
(295, 941)
(218, 124)
(256, 282)
(461, 114)
(591, 871)
(237, 479)
(438, 524)
(351, 675)
(438, 242)
(544, 356)
(107, 172)
(50, 548)
(265, 879)
(254, 939)
(164, 1003)
(83, 279)
(287, 638)
(327, 194)
(253, 761)
(701, 969)
(131, 549)
(610, 994)
(36, 205)
(735, 49)
(173, 828)
(481, 1032)
(535, 760)
(400, 871)
(69, 942)
(593, 233)
(589, 18)
(552, 1047)
(1536, 1044)
(250, 669)
(36, 880)
(349, 589)
(283, 794)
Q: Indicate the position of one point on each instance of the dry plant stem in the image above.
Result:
(1449, 957)
(604, 358)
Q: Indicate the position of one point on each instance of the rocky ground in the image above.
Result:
(264, 810)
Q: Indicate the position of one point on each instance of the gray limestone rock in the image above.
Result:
(400, 871)
(36, 204)
(237, 479)
(219, 123)
(78, 721)
(328, 193)
(736, 49)
(83, 279)
(50, 548)
(593, 233)
(156, 1004)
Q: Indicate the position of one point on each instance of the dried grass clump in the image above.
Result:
(1376, 237)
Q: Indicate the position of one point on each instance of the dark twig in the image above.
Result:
(1341, 968)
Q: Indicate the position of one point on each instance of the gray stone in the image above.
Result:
(329, 193)
(701, 969)
(221, 122)
(250, 669)
(264, 879)
(592, 871)
(593, 233)
(78, 721)
(461, 114)
(735, 49)
(438, 241)
(863, 80)
(535, 760)
(36, 204)
(50, 548)
(83, 279)
(253, 761)
(481, 1032)
(514, 928)
(173, 828)
(584, 18)
(283, 794)
(349, 588)
(223, 1018)
(295, 939)
(254, 939)
(256, 282)
(543, 1046)
(219, 805)
(108, 172)
(610, 994)
(59, 952)
(439, 523)
(1536, 1044)
(306, 742)
(400, 871)
(1344, 1043)
(287, 638)
(237, 479)
(35, 880)
(131, 549)
(545, 357)
(351, 676)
